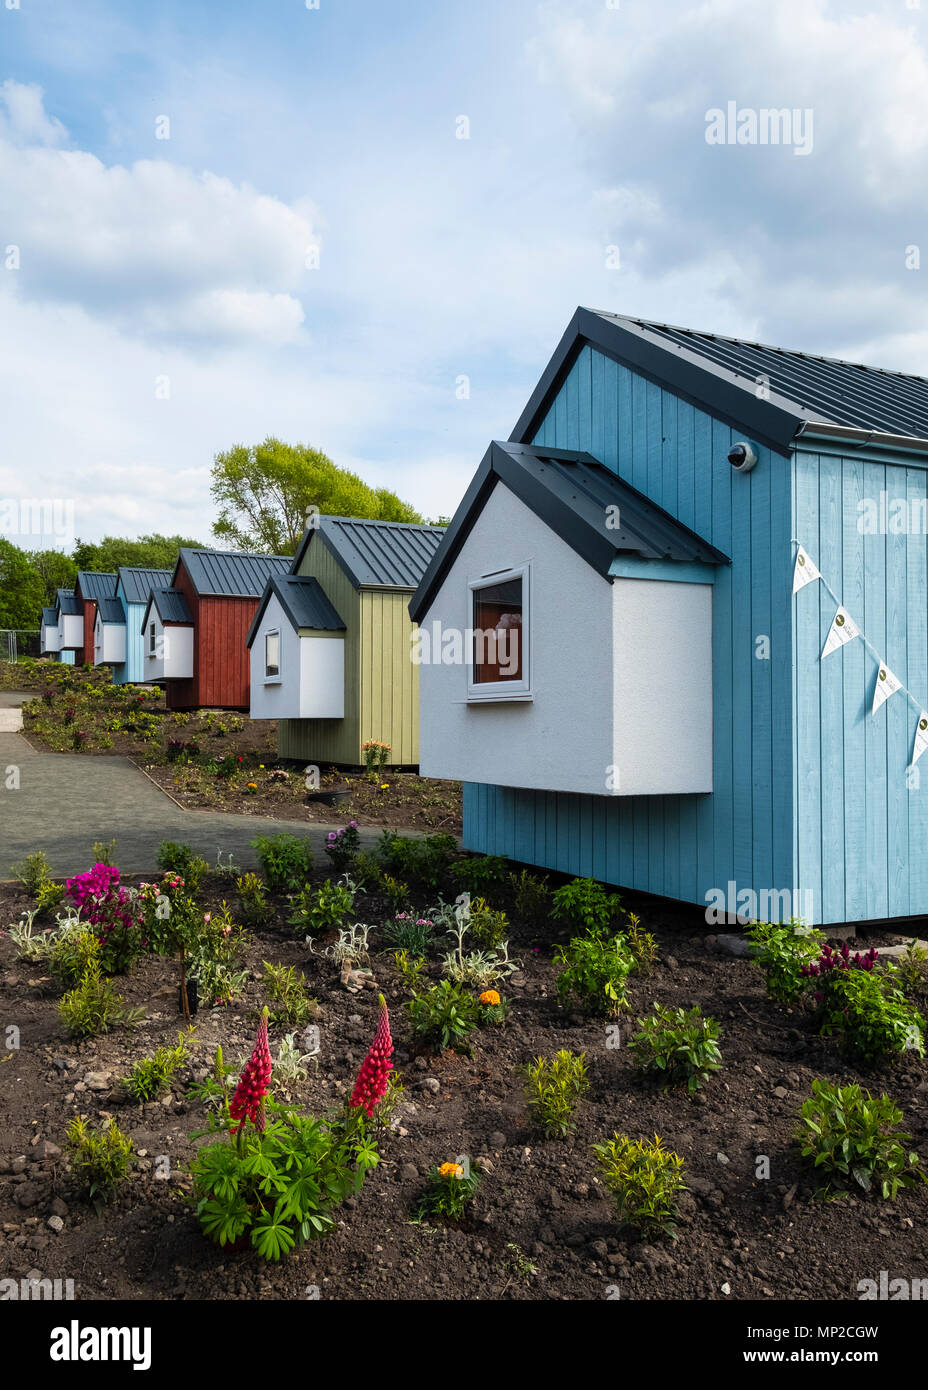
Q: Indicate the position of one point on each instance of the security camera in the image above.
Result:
(742, 457)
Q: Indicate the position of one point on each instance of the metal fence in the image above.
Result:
(18, 643)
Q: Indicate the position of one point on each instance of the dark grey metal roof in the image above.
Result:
(305, 603)
(575, 495)
(230, 574)
(137, 584)
(96, 584)
(110, 610)
(69, 603)
(722, 375)
(49, 617)
(376, 554)
(171, 606)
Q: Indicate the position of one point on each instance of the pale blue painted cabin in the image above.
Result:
(133, 586)
(815, 801)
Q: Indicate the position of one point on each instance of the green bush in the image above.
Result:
(488, 927)
(252, 896)
(182, 860)
(644, 1178)
(318, 910)
(641, 944)
(151, 1076)
(74, 948)
(852, 1137)
(34, 873)
(444, 1016)
(93, 1006)
(427, 860)
(476, 873)
(782, 950)
(585, 903)
(679, 1046)
(595, 972)
(872, 1018)
(101, 1160)
(286, 861)
(531, 895)
(286, 988)
(412, 933)
(553, 1088)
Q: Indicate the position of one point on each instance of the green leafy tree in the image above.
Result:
(21, 589)
(264, 492)
(55, 569)
(154, 552)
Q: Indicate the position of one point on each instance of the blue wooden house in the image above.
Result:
(118, 640)
(676, 635)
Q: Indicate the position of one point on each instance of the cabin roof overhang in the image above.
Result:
(228, 573)
(577, 497)
(305, 605)
(386, 555)
(171, 607)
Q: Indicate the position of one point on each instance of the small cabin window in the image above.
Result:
(272, 655)
(151, 639)
(500, 656)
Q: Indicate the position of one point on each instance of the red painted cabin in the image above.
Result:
(90, 586)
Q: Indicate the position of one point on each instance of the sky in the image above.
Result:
(364, 226)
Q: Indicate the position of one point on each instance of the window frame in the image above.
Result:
(490, 692)
(273, 632)
(152, 641)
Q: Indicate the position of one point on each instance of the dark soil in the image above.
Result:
(542, 1227)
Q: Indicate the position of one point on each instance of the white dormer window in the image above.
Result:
(500, 656)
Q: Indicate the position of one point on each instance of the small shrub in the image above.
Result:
(852, 1137)
(49, 896)
(74, 947)
(33, 872)
(103, 851)
(585, 903)
(101, 1159)
(342, 846)
(553, 1089)
(366, 871)
(411, 933)
(595, 972)
(182, 860)
(93, 1006)
(318, 910)
(286, 988)
(479, 872)
(444, 1016)
(451, 1189)
(427, 860)
(913, 966)
(286, 861)
(488, 927)
(781, 951)
(393, 890)
(151, 1076)
(111, 910)
(871, 1017)
(679, 1046)
(252, 896)
(411, 970)
(531, 895)
(352, 946)
(641, 944)
(644, 1178)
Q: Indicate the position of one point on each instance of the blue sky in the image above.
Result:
(163, 309)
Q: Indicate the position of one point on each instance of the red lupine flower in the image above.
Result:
(254, 1083)
(373, 1078)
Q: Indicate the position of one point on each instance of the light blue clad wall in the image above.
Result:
(680, 846)
(861, 832)
(132, 671)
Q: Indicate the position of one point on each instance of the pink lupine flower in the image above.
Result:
(373, 1078)
(254, 1083)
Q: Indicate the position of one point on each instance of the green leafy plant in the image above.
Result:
(451, 1189)
(73, 948)
(444, 1016)
(480, 969)
(871, 1017)
(595, 972)
(585, 903)
(476, 873)
(285, 860)
(781, 950)
(853, 1137)
(286, 988)
(411, 970)
(314, 911)
(342, 846)
(101, 1159)
(641, 944)
(427, 860)
(412, 933)
(913, 966)
(182, 860)
(488, 927)
(678, 1046)
(645, 1179)
(104, 851)
(553, 1088)
(252, 896)
(33, 872)
(366, 871)
(151, 1076)
(531, 895)
(94, 1006)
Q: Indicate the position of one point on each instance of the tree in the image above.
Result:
(264, 493)
(21, 590)
(154, 552)
(55, 569)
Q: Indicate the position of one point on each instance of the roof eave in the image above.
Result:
(853, 434)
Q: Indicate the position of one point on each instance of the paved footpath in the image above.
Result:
(66, 801)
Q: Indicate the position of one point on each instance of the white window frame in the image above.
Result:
(152, 641)
(273, 680)
(480, 692)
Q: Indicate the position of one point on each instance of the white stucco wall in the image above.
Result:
(662, 634)
(173, 658)
(109, 643)
(561, 739)
(70, 631)
(50, 638)
(312, 672)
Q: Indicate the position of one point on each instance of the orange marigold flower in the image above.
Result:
(451, 1170)
(490, 998)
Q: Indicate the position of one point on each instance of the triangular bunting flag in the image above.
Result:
(805, 571)
(843, 629)
(886, 684)
(921, 737)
